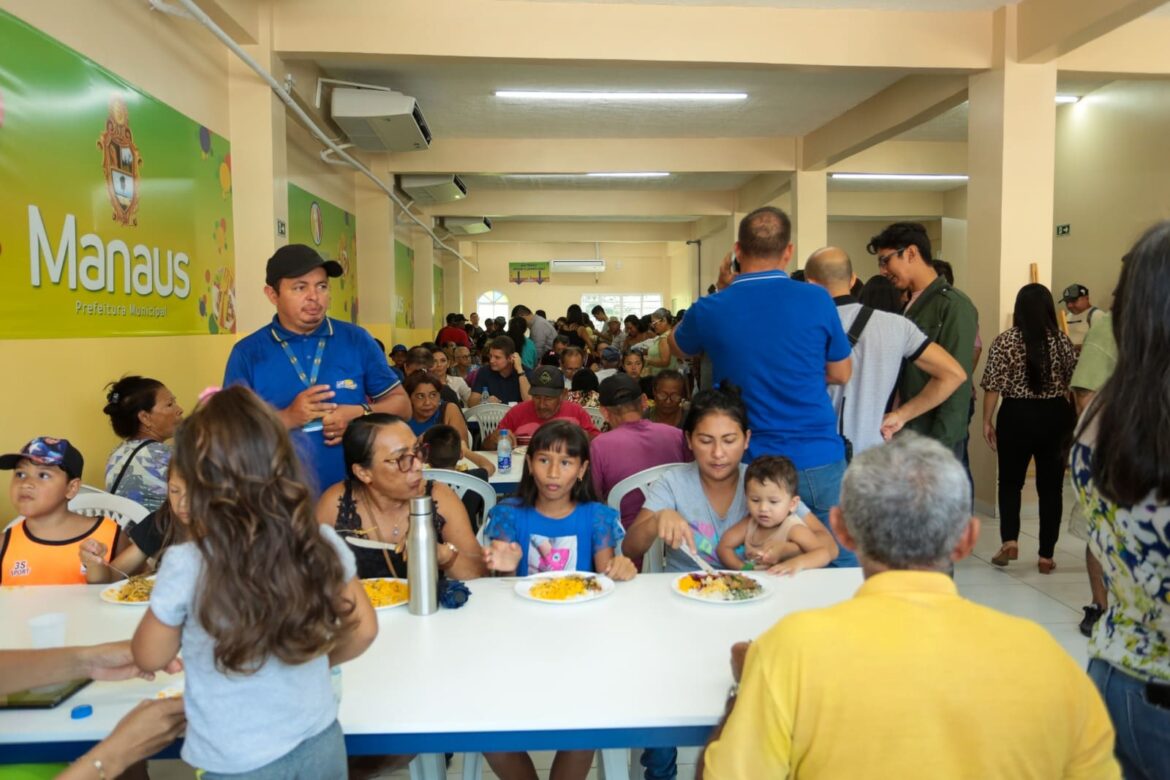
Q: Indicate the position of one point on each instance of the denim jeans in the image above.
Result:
(660, 763)
(820, 489)
(317, 758)
(1143, 729)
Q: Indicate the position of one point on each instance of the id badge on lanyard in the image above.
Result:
(308, 380)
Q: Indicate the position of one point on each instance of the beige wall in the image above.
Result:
(644, 268)
(1112, 180)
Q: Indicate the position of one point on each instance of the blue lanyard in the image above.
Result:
(310, 379)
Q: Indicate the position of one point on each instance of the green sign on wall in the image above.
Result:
(115, 209)
(332, 231)
(440, 310)
(403, 285)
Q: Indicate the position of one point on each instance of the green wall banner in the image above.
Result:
(403, 285)
(332, 231)
(440, 311)
(115, 209)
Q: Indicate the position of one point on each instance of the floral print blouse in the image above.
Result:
(1133, 546)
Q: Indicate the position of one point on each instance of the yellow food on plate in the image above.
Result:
(564, 588)
(135, 590)
(386, 593)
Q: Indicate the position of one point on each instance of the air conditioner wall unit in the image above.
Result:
(380, 121)
(426, 189)
(577, 266)
(466, 226)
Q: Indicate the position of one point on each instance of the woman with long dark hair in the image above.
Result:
(1029, 366)
(525, 347)
(1121, 470)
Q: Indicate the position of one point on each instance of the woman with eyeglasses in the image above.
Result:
(383, 464)
(670, 406)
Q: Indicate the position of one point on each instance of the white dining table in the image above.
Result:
(641, 667)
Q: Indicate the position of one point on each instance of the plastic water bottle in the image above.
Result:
(483, 395)
(422, 574)
(504, 452)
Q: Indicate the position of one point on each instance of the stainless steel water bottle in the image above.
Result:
(422, 560)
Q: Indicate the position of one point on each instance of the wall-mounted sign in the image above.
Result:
(519, 273)
(115, 209)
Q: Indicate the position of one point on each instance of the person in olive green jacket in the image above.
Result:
(944, 313)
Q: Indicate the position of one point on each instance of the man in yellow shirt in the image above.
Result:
(907, 679)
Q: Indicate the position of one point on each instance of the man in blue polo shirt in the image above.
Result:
(785, 385)
(319, 373)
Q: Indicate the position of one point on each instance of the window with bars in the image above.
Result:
(621, 305)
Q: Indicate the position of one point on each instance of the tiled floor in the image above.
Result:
(1053, 600)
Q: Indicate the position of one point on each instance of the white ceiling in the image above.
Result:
(704, 182)
(456, 97)
(546, 218)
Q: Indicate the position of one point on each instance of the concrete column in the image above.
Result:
(810, 214)
(259, 171)
(425, 318)
(1011, 161)
(375, 240)
(453, 284)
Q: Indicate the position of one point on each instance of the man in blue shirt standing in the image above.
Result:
(785, 385)
(319, 373)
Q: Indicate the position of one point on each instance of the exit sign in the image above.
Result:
(1063, 230)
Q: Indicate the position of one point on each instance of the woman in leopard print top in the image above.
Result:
(1029, 367)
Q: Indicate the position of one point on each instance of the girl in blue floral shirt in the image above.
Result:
(555, 523)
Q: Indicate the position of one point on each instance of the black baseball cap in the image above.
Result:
(1072, 292)
(296, 260)
(546, 380)
(619, 389)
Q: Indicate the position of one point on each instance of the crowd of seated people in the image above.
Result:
(763, 482)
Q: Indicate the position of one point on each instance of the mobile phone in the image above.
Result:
(734, 263)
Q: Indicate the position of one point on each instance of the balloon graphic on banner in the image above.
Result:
(204, 141)
(225, 176)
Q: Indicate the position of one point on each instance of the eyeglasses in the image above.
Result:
(421, 453)
(668, 396)
(884, 260)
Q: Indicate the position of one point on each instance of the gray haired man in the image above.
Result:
(919, 682)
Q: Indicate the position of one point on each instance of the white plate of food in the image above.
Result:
(564, 587)
(386, 592)
(134, 592)
(722, 587)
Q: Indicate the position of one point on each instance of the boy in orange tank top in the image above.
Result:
(42, 548)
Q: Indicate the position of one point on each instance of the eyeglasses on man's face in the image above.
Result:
(884, 260)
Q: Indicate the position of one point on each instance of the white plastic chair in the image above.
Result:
(96, 504)
(92, 502)
(488, 416)
(461, 483)
(655, 558)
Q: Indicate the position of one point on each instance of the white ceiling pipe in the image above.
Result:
(189, 8)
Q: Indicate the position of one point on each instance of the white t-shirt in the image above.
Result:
(887, 340)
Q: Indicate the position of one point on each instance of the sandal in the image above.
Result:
(1009, 552)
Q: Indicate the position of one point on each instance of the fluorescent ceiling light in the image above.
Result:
(697, 97)
(1062, 99)
(900, 176)
(630, 175)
